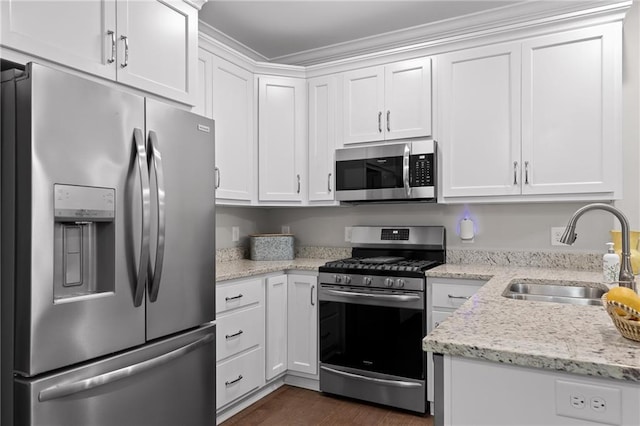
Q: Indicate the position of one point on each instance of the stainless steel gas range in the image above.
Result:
(373, 315)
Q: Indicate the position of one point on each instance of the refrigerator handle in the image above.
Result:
(66, 389)
(141, 154)
(156, 275)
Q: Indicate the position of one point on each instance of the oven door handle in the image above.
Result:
(389, 297)
(405, 170)
(396, 383)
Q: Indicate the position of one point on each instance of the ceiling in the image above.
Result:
(276, 30)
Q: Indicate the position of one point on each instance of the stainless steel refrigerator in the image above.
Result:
(108, 257)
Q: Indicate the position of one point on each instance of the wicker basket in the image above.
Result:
(628, 325)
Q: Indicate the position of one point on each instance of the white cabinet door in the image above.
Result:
(232, 110)
(77, 34)
(204, 98)
(570, 107)
(363, 105)
(408, 99)
(479, 100)
(322, 138)
(276, 336)
(302, 351)
(158, 47)
(282, 117)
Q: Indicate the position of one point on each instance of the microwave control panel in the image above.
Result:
(421, 170)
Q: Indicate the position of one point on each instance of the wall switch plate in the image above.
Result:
(602, 404)
(235, 234)
(347, 233)
(286, 229)
(556, 233)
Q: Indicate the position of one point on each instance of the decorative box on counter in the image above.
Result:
(271, 247)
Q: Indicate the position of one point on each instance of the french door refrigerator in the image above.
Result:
(107, 231)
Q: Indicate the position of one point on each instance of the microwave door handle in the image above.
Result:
(405, 170)
(141, 154)
(156, 160)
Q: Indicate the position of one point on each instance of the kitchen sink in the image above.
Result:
(546, 292)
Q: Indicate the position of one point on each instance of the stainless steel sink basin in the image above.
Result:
(576, 295)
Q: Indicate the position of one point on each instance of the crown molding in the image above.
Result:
(482, 22)
(195, 3)
(220, 37)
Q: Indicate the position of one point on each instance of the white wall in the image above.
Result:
(499, 226)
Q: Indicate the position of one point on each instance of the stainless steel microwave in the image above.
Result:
(382, 173)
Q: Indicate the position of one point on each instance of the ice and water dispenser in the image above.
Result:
(84, 239)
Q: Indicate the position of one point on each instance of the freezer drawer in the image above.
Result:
(170, 382)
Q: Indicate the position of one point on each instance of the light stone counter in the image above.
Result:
(546, 335)
(247, 268)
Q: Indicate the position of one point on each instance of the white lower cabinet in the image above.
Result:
(302, 320)
(444, 296)
(240, 339)
(276, 322)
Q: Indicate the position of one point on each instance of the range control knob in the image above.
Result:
(400, 283)
(366, 280)
(347, 279)
(388, 282)
(337, 278)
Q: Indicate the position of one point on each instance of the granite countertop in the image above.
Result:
(553, 336)
(247, 268)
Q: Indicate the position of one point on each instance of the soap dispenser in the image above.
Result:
(610, 265)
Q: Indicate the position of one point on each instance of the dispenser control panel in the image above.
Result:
(84, 203)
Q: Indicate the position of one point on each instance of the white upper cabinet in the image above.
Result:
(571, 101)
(479, 101)
(388, 102)
(282, 139)
(322, 138)
(150, 45)
(232, 109)
(204, 99)
(537, 120)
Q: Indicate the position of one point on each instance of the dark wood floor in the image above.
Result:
(295, 406)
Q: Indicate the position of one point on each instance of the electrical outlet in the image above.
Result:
(602, 404)
(556, 233)
(347, 233)
(235, 234)
(286, 229)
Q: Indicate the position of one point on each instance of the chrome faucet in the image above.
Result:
(625, 278)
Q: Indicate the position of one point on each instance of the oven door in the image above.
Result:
(373, 173)
(371, 345)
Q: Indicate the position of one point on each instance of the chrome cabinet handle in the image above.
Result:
(298, 177)
(380, 122)
(526, 173)
(158, 168)
(240, 296)
(112, 35)
(231, 336)
(329, 183)
(451, 296)
(66, 389)
(436, 325)
(233, 381)
(515, 172)
(126, 51)
(313, 287)
(388, 121)
(141, 153)
(405, 170)
(217, 178)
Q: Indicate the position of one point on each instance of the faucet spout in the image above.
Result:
(626, 278)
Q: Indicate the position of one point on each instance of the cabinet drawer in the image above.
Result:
(238, 295)
(239, 331)
(239, 376)
(453, 295)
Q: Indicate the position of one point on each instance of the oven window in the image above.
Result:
(384, 172)
(350, 175)
(373, 338)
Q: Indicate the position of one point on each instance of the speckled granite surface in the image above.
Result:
(247, 268)
(553, 336)
(537, 259)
